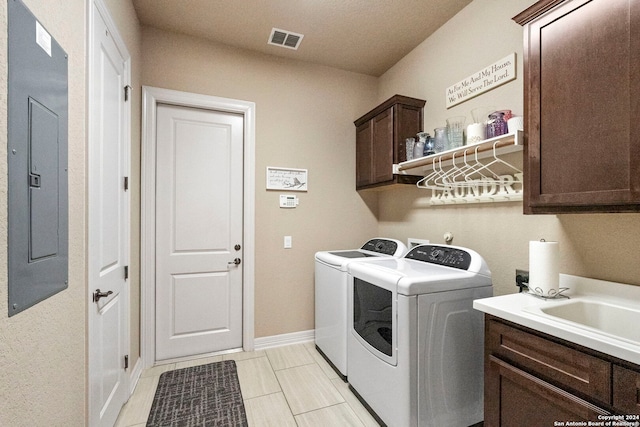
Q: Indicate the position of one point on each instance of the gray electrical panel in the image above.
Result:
(38, 103)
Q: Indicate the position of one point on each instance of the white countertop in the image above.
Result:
(524, 309)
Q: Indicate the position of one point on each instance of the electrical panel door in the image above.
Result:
(37, 161)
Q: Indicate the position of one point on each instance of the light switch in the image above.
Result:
(287, 242)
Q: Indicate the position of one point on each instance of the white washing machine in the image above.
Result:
(415, 343)
(331, 296)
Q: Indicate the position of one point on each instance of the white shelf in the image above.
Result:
(473, 173)
(502, 144)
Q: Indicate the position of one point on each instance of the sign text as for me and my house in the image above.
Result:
(490, 77)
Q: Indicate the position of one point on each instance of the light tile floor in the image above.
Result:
(284, 386)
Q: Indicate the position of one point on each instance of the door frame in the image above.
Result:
(151, 97)
(92, 75)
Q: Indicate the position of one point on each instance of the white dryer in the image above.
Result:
(415, 343)
(331, 296)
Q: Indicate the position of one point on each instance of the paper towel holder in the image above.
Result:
(538, 293)
(549, 293)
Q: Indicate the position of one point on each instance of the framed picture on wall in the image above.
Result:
(287, 179)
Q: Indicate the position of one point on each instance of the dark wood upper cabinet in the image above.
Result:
(380, 141)
(582, 106)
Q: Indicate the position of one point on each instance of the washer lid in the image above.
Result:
(440, 279)
(378, 247)
(340, 259)
(352, 254)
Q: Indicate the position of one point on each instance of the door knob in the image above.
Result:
(234, 262)
(98, 294)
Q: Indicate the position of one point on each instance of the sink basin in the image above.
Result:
(614, 320)
(600, 315)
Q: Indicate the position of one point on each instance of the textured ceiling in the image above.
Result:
(365, 36)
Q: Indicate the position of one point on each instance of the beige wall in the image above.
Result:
(43, 358)
(304, 119)
(603, 246)
(42, 350)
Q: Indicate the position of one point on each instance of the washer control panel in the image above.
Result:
(441, 255)
(381, 246)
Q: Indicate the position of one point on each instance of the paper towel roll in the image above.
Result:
(544, 275)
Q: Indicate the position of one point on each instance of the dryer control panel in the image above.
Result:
(381, 246)
(441, 255)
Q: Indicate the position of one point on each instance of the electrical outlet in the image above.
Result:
(522, 278)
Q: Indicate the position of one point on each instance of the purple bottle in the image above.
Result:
(496, 125)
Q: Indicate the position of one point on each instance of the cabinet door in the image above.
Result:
(514, 398)
(408, 122)
(364, 154)
(626, 390)
(382, 128)
(571, 369)
(582, 107)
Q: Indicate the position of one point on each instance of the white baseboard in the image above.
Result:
(136, 372)
(284, 339)
(259, 344)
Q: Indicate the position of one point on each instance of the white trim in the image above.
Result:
(91, 76)
(151, 97)
(198, 356)
(135, 375)
(284, 339)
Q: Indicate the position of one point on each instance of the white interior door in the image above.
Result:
(199, 210)
(108, 223)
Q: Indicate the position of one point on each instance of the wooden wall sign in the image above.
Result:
(488, 78)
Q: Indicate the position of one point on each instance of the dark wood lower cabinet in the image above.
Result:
(515, 398)
(535, 380)
(626, 395)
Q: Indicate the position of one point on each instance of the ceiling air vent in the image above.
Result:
(285, 38)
